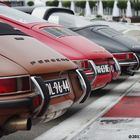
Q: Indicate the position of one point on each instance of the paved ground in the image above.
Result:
(121, 122)
(87, 122)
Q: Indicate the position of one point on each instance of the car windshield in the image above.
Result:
(6, 29)
(58, 31)
(18, 15)
(108, 31)
(68, 20)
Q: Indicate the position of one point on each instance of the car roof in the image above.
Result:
(48, 9)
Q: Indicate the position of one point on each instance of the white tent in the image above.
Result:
(87, 9)
(115, 12)
(100, 8)
(128, 9)
(72, 6)
(39, 2)
(60, 4)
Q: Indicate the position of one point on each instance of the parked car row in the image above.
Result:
(124, 49)
(46, 67)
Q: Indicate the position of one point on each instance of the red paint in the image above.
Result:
(128, 106)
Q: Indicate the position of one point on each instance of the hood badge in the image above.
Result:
(49, 61)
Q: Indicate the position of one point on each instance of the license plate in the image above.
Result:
(102, 69)
(57, 87)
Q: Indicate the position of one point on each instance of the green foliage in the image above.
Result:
(52, 3)
(98, 16)
(104, 4)
(30, 3)
(122, 4)
(80, 4)
(92, 4)
(110, 3)
(66, 3)
(136, 6)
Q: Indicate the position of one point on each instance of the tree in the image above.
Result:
(110, 4)
(52, 3)
(80, 4)
(66, 3)
(122, 5)
(104, 4)
(136, 7)
(30, 3)
(92, 4)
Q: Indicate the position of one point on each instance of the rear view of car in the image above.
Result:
(111, 40)
(35, 81)
(68, 43)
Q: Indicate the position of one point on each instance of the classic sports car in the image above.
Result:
(128, 29)
(35, 81)
(127, 41)
(102, 35)
(98, 64)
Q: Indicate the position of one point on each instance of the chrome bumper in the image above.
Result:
(85, 84)
(137, 63)
(117, 67)
(40, 89)
(94, 73)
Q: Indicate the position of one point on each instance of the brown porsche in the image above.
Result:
(34, 81)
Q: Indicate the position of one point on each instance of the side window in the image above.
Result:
(6, 29)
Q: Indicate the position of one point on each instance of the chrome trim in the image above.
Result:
(127, 63)
(130, 63)
(90, 73)
(83, 85)
(18, 91)
(16, 76)
(41, 93)
(137, 59)
(117, 66)
(94, 69)
(122, 53)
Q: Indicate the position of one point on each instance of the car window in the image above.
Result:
(58, 31)
(6, 29)
(68, 20)
(18, 15)
(108, 31)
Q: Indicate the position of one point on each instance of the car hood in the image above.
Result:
(33, 56)
(85, 47)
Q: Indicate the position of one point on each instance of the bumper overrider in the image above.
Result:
(115, 69)
(85, 85)
(130, 66)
